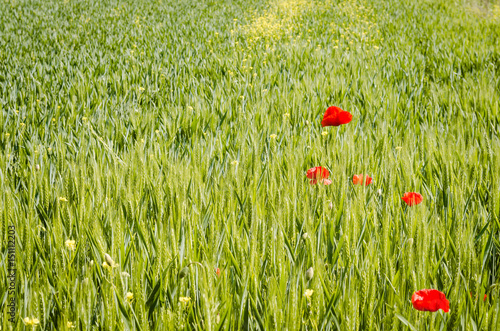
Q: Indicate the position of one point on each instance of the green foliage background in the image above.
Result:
(136, 111)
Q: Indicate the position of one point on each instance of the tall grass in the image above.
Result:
(177, 134)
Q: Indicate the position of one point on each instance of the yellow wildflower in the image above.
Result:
(273, 136)
(106, 266)
(184, 299)
(63, 199)
(31, 321)
(324, 133)
(129, 297)
(308, 293)
(70, 244)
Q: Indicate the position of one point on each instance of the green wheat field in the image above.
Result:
(174, 136)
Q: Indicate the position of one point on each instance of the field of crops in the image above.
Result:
(154, 158)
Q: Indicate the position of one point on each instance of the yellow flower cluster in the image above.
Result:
(282, 18)
(184, 300)
(70, 244)
(495, 12)
(31, 321)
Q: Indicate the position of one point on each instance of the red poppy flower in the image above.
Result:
(318, 174)
(217, 272)
(334, 116)
(358, 180)
(430, 300)
(412, 198)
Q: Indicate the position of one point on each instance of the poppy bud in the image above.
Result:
(379, 192)
(309, 273)
(37, 167)
(305, 236)
(330, 205)
(410, 241)
(184, 272)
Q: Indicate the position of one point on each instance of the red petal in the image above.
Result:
(334, 116)
(369, 180)
(412, 198)
(332, 111)
(317, 172)
(358, 180)
(327, 181)
(430, 300)
(344, 117)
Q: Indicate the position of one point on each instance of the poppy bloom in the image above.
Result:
(334, 116)
(318, 174)
(430, 300)
(217, 272)
(358, 180)
(412, 198)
